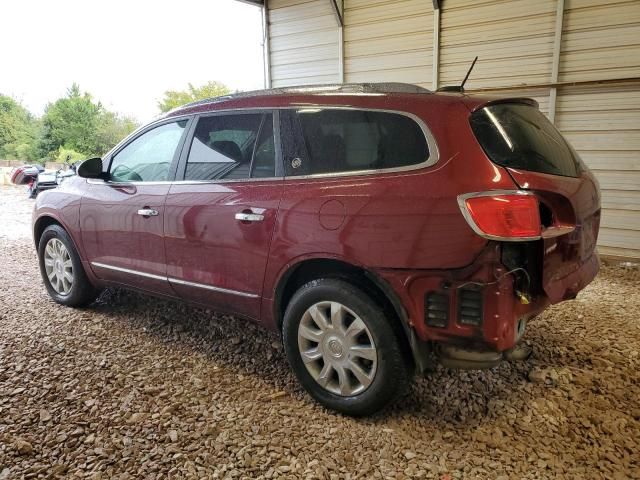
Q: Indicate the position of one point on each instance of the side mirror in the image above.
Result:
(91, 168)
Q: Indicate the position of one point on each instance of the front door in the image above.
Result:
(219, 219)
(121, 219)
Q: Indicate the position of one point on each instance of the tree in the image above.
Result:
(72, 125)
(176, 98)
(76, 123)
(111, 128)
(71, 122)
(18, 131)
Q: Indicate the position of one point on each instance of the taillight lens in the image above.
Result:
(502, 216)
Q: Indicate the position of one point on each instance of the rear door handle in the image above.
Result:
(251, 215)
(148, 212)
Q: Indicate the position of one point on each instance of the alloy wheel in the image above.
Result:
(337, 348)
(58, 266)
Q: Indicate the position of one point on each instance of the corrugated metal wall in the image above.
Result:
(303, 42)
(601, 41)
(515, 40)
(388, 39)
(503, 35)
(603, 124)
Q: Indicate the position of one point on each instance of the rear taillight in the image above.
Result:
(503, 215)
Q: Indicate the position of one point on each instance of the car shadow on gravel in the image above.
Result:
(444, 398)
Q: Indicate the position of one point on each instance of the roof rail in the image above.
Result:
(338, 88)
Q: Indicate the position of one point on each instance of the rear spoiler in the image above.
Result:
(521, 100)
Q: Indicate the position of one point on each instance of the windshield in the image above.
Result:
(520, 136)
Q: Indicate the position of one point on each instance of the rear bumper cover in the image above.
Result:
(568, 286)
(503, 313)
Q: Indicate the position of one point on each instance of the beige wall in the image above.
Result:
(303, 42)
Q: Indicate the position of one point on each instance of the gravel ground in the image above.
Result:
(134, 387)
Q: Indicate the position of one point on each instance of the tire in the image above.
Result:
(332, 354)
(75, 293)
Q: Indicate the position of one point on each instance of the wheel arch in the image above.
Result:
(41, 224)
(381, 292)
(46, 220)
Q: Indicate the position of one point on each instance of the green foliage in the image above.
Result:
(71, 121)
(111, 128)
(173, 98)
(18, 131)
(77, 123)
(64, 153)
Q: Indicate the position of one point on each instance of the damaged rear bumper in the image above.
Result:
(474, 316)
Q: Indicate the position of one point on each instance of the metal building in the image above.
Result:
(579, 58)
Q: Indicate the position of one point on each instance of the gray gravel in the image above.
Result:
(134, 387)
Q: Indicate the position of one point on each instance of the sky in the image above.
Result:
(126, 53)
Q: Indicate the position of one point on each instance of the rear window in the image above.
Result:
(520, 136)
(339, 141)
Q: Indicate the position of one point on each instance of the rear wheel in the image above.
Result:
(61, 269)
(342, 348)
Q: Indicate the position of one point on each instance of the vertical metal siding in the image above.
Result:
(600, 40)
(303, 39)
(512, 38)
(388, 40)
(603, 124)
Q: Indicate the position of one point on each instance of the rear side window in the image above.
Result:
(337, 141)
(232, 147)
(520, 136)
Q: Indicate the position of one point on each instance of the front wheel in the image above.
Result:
(342, 348)
(61, 269)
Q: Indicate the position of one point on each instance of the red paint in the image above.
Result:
(205, 244)
(404, 228)
(114, 234)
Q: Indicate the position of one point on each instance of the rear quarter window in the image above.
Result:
(342, 141)
(521, 137)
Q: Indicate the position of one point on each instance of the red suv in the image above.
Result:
(377, 226)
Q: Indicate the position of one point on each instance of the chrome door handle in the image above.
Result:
(148, 212)
(249, 217)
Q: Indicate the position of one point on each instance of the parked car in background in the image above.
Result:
(38, 179)
(376, 226)
(26, 175)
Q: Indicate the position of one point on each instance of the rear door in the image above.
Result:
(220, 216)
(519, 137)
(122, 217)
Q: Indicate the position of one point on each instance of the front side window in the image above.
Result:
(339, 141)
(148, 157)
(232, 147)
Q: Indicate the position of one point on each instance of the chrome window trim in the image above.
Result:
(142, 129)
(431, 160)
(489, 193)
(139, 132)
(98, 181)
(241, 111)
(174, 280)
